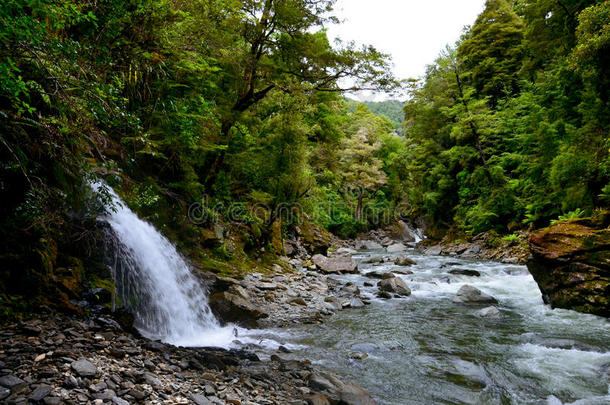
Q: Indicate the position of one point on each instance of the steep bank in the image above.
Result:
(571, 264)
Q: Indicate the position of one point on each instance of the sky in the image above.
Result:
(412, 31)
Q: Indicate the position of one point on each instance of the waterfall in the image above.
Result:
(155, 283)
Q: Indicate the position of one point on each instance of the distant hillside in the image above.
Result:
(392, 109)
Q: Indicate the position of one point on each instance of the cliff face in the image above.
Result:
(571, 264)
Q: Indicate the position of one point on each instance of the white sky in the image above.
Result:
(412, 31)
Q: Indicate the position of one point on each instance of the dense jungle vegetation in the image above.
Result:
(172, 102)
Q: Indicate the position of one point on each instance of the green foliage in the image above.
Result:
(510, 126)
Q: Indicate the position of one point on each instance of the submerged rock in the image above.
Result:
(337, 264)
(394, 285)
(336, 391)
(373, 259)
(571, 264)
(468, 294)
(489, 312)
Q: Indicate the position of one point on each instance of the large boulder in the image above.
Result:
(314, 238)
(571, 264)
(337, 264)
(233, 308)
(394, 285)
(468, 294)
(396, 248)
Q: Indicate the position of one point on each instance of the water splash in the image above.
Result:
(155, 283)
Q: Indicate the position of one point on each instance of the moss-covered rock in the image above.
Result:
(571, 264)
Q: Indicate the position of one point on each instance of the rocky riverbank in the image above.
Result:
(66, 360)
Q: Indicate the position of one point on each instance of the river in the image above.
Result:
(425, 349)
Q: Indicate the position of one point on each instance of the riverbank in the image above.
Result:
(77, 360)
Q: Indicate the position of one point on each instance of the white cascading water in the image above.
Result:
(154, 282)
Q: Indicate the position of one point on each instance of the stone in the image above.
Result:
(465, 272)
(40, 393)
(337, 264)
(394, 285)
(52, 401)
(119, 401)
(569, 261)
(468, 294)
(346, 251)
(232, 308)
(4, 392)
(489, 312)
(84, 368)
(395, 248)
(356, 303)
(266, 286)
(404, 261)
(434, 250)
(199, 399)
(314, 238)
(368, 245)
(298, 301)
(384, 294)
(373, 259)
(337, 391)
(11, 382)
(387, 276)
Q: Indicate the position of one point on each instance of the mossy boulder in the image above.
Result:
(571, 264)
(314, 238)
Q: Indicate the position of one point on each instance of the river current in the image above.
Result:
(426, 349)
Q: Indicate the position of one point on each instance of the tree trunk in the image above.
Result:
(359, 207)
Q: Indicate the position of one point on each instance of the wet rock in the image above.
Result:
(404, 261)
(468, 294)
(357, 355)
(368, 245)
(232, 308)
(394, 285)
(489, 313)
(39, 393)
(570, 264)
(337, 391)
(384, 294)
(386, 276)
(374, 274)
(373, 259)
(337, 264)
(395, 248)
(465, 272)
(356, 303)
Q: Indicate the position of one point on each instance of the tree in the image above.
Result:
(282, 49)
(493, 50)
(361, 170)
